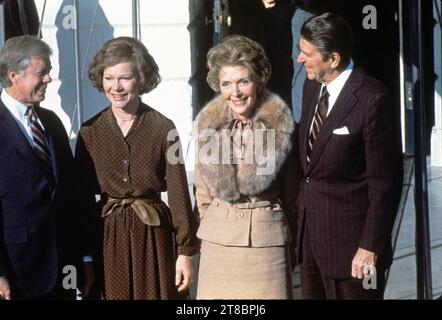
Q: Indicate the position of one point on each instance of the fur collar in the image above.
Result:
(226, 180)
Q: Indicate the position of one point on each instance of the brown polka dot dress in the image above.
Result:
(138, 260)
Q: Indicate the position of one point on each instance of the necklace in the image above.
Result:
(124, 117)
(132, 117)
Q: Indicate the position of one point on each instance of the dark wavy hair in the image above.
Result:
(329, 33)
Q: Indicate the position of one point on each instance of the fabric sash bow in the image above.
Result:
(142, 207)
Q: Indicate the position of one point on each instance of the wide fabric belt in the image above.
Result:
(244, 205)
(141, 206)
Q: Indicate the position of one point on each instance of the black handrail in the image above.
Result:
(423, 252)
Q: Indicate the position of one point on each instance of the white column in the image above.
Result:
(402, 76)
(163, 29)
(2, 24)
(436, 134)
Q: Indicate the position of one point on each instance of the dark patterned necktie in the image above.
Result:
(318, 120)
(40, 140)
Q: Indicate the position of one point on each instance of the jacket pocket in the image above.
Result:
(269, 228)
(274, 215)
(16, 235)
(216, 212)
(225, 225)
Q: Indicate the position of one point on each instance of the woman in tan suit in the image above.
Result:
(122, 154)
(245, 188)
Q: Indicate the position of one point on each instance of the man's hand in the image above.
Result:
(89, 279)
(5, 290)
(269, 3)
(362, 262)
(184, 272)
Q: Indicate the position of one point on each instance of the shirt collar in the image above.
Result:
(335, 87)
(17, 108)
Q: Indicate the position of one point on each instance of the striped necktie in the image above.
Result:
(318, 120)
(41, 146)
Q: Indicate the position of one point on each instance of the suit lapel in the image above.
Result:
(12, 131)
(50, 136)
(310, 101)
(345, 102)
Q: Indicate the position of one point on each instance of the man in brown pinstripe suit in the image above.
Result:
(352, 176)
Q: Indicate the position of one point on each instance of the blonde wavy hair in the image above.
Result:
(238, 50)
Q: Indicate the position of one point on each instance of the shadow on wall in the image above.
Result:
(94, 30)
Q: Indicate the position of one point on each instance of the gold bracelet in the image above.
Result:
(185, 257)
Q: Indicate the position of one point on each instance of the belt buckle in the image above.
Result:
(243, 205)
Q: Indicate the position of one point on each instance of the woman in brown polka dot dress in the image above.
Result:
(123, 155)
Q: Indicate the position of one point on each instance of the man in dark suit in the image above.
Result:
(352, 176)
(41, 228)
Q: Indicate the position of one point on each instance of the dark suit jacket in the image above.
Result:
(351, 187)
(40, 229)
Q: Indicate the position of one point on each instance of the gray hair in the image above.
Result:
(16, 55)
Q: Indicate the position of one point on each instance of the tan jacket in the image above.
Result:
(223, 191)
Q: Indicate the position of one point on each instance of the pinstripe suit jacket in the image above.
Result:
(349, 193)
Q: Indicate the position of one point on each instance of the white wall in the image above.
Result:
(163, 29)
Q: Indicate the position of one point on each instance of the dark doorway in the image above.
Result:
(201, 37)
(272, 29)
(21, 18)
(376, 50)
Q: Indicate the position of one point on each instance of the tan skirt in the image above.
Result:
(244, 272)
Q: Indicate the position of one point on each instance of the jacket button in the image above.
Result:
(241, 215)
(307, 180)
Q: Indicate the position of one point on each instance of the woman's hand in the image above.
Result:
(184, 272)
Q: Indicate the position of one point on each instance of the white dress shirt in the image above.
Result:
(18, 111)
(334, 88)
